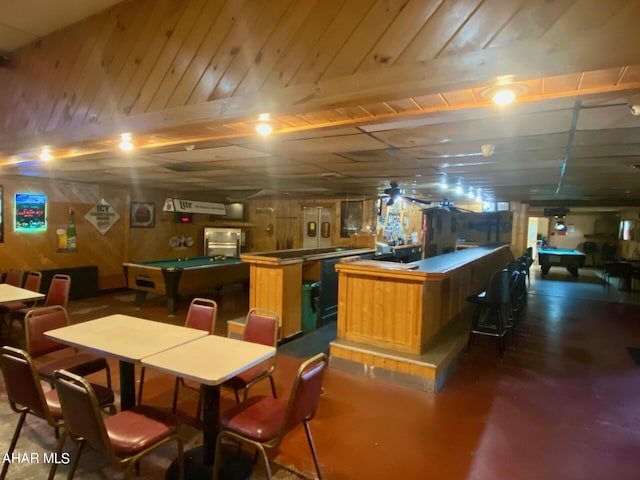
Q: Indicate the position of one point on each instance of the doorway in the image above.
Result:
(316, 227)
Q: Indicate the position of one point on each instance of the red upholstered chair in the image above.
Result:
(125, 437)
(43, 319)
(25, 395)
(261, 327)
(57, 294)
(14, 277)
(202, 315)
(31, 283)
(263, 421)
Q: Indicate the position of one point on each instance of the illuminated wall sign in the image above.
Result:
(30, 212)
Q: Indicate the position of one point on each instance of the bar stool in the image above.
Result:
(492, 310)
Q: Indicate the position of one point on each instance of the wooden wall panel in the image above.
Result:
(35, 251)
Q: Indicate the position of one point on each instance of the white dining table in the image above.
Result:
(125, 338)
(210, 361)
(9, 293)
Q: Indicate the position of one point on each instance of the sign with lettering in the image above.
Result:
(193, 206)
(102, 216)
(30, 212)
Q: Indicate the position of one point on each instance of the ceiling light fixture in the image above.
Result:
(45, 154)
(459, 189)
(443, 183)
(126, 144)
(264, 126)
(264, 129)
(503, 97)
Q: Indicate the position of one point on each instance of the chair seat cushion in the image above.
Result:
(103, 394)
(242, 379)
(131, 431)
(258, 418)
(12, 306)
(81, 363)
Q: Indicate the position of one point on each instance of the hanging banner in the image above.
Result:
(102, 216)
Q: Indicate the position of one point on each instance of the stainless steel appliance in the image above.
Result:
(222, 241)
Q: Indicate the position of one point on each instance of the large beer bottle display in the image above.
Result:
(71, 232)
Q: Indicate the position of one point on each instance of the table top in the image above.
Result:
(192, 262)
(559, 251)
(124, 337)
(9, 293)
(210, 360)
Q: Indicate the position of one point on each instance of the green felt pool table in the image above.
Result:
(551, 257)
(183, 277)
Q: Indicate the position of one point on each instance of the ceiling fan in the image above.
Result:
(394, 192)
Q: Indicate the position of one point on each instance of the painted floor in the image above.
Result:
(562, 404)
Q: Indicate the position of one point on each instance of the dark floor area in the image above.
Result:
(562, 404)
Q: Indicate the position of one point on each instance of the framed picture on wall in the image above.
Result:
(143, 215)
(350, 218)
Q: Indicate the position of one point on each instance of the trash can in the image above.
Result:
(309, 310)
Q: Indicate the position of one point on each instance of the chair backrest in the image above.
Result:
(24, 390)
(202, 314)
(58, 293)
(81, 411)
(39, 320)
(261, 327)
(33, 281)
(307, 387)
(14, 277)
(498, 289)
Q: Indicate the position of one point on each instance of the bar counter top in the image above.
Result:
(298, 255)
(432, 267)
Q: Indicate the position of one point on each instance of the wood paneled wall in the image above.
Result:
(33, 251)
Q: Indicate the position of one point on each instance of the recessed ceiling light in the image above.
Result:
(45, 154)
(264, 129)
(503, 97)
(126, 144)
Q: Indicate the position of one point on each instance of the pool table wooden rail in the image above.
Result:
(182, 282)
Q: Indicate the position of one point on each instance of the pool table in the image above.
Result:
(183, 276)
(557, 257)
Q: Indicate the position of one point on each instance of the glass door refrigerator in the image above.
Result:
(222, 241)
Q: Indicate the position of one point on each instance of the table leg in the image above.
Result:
(573, 271)
(172, 280)
(198, 462)
(127, 385)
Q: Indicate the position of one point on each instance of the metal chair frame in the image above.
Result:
(301, 408)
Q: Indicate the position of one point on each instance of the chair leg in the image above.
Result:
(176, 387)
(74, 462)
(216, 458)
(12, 447)
(141, 386)
(199, 407)
(266, 459)
(108, 373)
(273, 386)
(235, 392)
(54, 465)
(313, 448)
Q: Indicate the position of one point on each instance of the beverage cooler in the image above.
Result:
(222, 241)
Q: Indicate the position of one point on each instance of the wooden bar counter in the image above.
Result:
(395, 319)
(276, 280)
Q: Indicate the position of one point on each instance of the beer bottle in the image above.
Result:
(71, 231)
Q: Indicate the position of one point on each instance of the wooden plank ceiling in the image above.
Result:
(360, 93)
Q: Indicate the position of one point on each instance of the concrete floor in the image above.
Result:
(562, 404)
